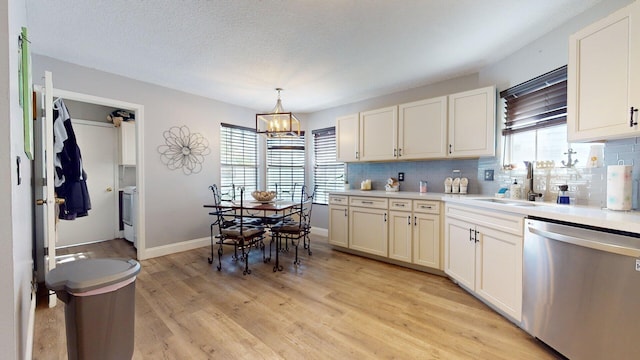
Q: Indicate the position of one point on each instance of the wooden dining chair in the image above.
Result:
(242, 237)
(293, 229)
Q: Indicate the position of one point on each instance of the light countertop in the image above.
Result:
(586, 215)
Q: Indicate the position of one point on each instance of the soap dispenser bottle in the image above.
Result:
(515, 190)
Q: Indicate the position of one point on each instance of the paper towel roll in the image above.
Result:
(619, 188)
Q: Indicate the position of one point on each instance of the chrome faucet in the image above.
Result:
(531, 195)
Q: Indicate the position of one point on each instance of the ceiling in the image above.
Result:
(323, 53)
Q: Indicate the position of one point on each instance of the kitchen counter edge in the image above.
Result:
(586, 215)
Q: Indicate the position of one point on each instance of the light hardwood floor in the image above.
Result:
(332, 306)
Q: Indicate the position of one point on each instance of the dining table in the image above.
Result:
(268, 213)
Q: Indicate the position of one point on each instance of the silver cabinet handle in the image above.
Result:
(470, 234)
(476, 235)
(631, 122)
(395, 153)
(426, 207)
(399, 152)
(385, 217)
(399, 205)
(409, 220)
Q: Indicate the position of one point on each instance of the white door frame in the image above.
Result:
(138, 109)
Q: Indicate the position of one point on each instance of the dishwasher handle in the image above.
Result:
(611, 248)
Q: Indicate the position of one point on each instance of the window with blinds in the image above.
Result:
(328, 174)
(238, 159)
(538, 103)
(285, 166)
(536, 122)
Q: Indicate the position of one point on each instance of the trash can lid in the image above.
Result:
(90, 274)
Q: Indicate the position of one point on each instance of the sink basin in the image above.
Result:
(508, 202)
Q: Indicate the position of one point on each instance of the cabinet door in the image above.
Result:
(602, 80)
(127, 140)
(368, 230)
(378, 134)
(426, 240)
(459, 252)
(339, 225)
(472, 123)
(347, 133)
(422, 129)
(499, 270)
(400, 235)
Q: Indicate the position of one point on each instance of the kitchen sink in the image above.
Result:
(508, 202)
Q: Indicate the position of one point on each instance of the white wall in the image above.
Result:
(16, 201)
(174, 211)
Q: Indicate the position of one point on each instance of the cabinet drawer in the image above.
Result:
(426, 206)
(369, 202)
(338, 200)
(400, 204)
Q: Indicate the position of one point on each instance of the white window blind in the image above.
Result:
(238, 159)
(285, 166)
(328, 174)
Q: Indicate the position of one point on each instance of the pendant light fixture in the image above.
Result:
(278, 123)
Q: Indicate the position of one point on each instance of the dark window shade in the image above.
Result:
(238, 159)
(537, 103)
(285, 166)
(328, 174)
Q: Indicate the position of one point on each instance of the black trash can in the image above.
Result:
(100, 306)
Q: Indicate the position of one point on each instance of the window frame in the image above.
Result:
(235, 155)
(324, 161)
(286, 158)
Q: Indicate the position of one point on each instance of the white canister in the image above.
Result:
(619, 187)
(515, 190)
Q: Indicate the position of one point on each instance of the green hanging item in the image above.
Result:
(26, 93)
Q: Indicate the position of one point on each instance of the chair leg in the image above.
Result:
(210, 259)
(245, 257)
(220, 256)
(277, 266)
(295, 243)
(307, 243)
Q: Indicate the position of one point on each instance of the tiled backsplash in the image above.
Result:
(587, 186)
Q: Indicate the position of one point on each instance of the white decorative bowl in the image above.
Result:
(263, 196)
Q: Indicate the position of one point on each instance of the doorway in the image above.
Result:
(97, 141)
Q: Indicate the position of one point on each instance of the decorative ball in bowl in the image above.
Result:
(263, 196)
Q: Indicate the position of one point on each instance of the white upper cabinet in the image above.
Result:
(418, 130)
(603, 80)
(472, 123)
(127, 140)
(347, 135)
(378, 129)
(422, 129)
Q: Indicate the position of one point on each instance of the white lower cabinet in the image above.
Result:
(400, 235)
(368, 225)
(426, 240)
(339, 225)
(483, 252)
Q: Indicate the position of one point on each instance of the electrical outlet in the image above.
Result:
(400, 176)
(488, 175)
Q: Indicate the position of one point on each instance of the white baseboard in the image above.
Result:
(319, 231)
(176, 248)
(198, 243)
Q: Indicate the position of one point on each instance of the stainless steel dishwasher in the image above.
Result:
(582, 289)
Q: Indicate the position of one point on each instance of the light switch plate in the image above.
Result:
(488, 175)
